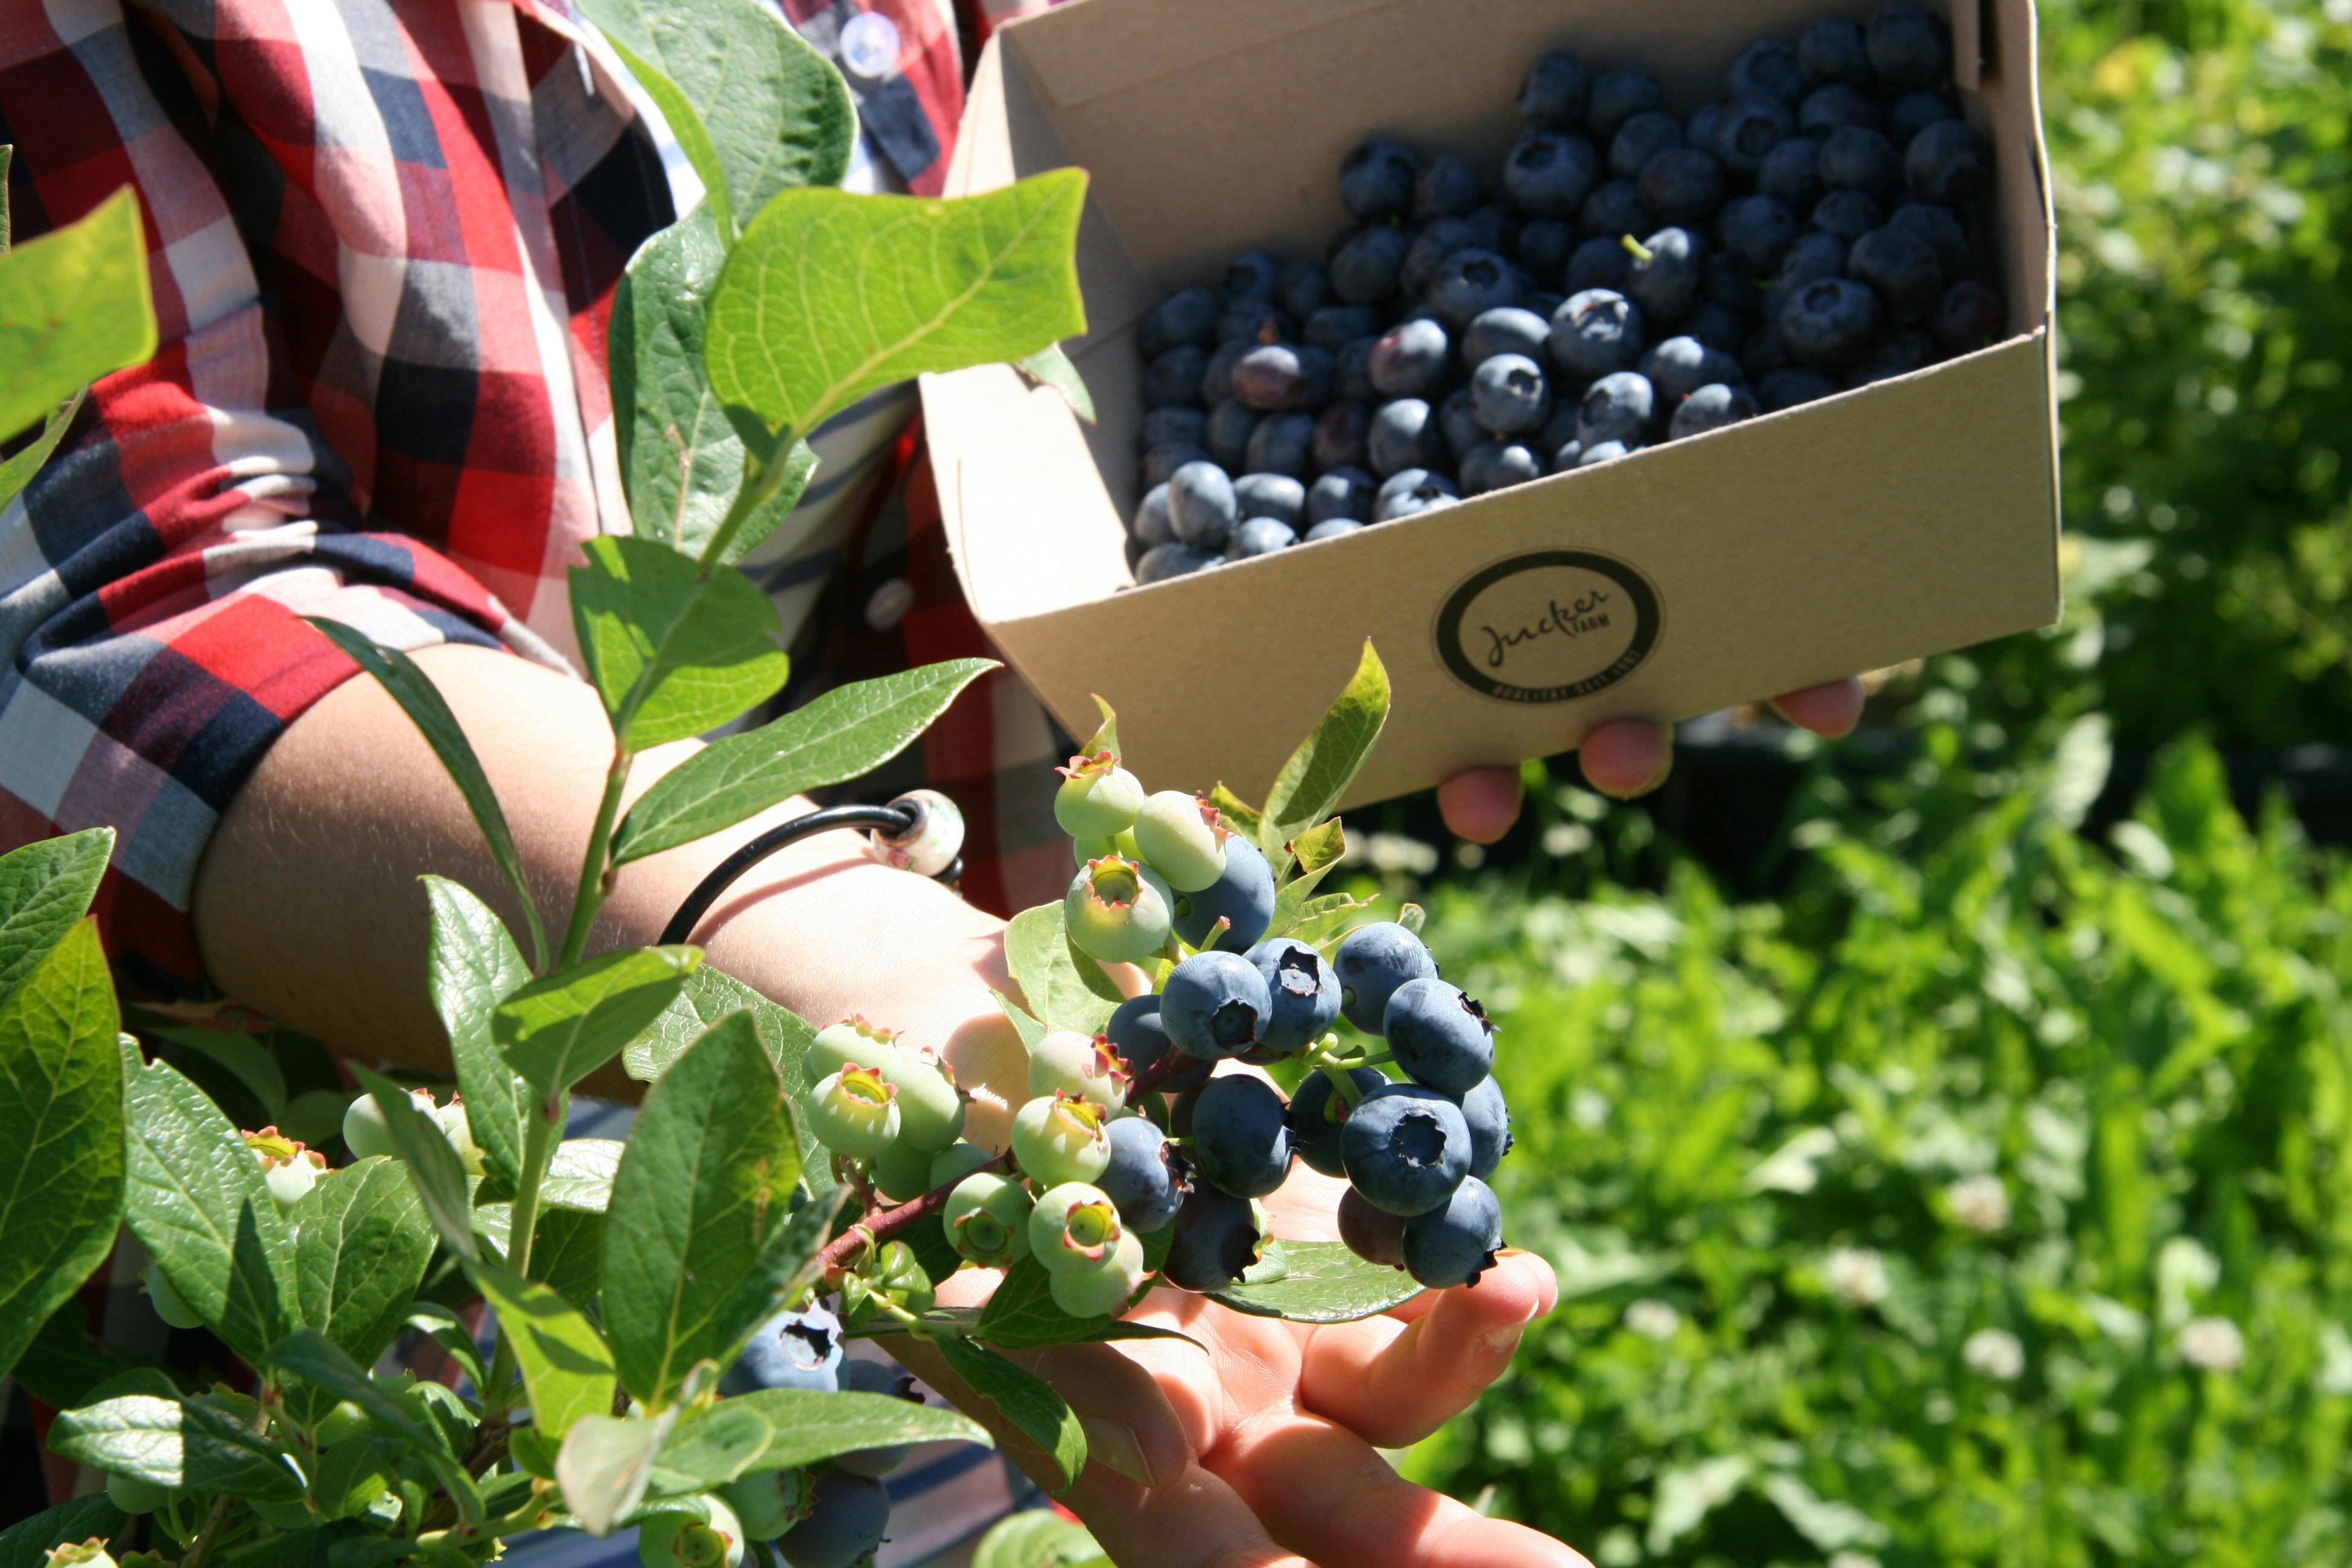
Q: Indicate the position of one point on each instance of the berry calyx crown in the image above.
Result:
(1090, 768)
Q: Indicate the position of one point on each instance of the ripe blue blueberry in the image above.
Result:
(1373, 1235)
(1860, 159)
(1848, 215)
(1769, 66)
(1282, 444)
(1252, 275)
(1832, 51)
(1549, 172)
(1445, 187)
(1710, 408)
(790, 1350)
(1332, 528)
(1277, 496)
(1507, 330)
(1440, 1037)
(1343, 436)
(1836, 106)
(873, 1378)
(1137, 1033)
(1685, 186)
(1554, 90)
(1409, 359)
(1317, 1111)
(1756, 232)
(847, 1521)
(1405, 436)
(1681, 365)
(1218, 1238)
(1175, 428)
(1914, 112)
(1174, 378)
(1152, 524)
(1789, 387)
(1334, 327)
(1899, 352)
(1365, 266)
(1457, 420)
(1160, 463)
(1613, 210)
(1619, 407)
(1187, 316)
(1619, 94)
(1903, 268)
(1828, 324)
(1376, 179)
(1231, 423)
(1472, 281)
(1543, 246)
(1498, 466)
(1342, 492)
(1352, 371)
(1241, 1141)
(1641, 139)
(1247, 319)
(1201, 506)
(1260, 536)
(1748, 130)
(1215, 1004)
(1455, 1244)
(1814, 256)
(1667, 273)
(1566, 455)
(1705, 120)
(1303, 990)
(1597, 331)
(1510, 394)
(1967, 316)
(1409, 493)
(1432, 244)
(1276, 377)
(1305, 289)
(1371, 963)
(1243, 894)
(1601, 262)
(1144, 1177)
(1791, 173)
(1908, 47)
(1405, 1148)
(1948, 161)
(1163, 561)
(1489, 1120)
(1604, 451)
(1941, 231)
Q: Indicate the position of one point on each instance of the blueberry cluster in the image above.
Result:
(1636, 278)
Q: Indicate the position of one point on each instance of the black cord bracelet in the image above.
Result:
(897, 826)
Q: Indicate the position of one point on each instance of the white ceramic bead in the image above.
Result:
(932, 846)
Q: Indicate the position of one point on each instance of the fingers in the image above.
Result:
(1131, 1429)
(1626, 757)
(1830, 709)
(1321, 1491)
(1480, 804)
(1393, 1384)
(1195, 1520)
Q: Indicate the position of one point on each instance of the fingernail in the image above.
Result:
(1502, 1342)
(1116, 1446)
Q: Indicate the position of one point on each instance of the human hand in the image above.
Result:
(1624, 758)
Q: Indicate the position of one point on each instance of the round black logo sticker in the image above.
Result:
(1550, 626)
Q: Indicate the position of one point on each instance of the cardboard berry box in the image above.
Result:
(1913, 516)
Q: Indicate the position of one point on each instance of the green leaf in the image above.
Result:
(1026, 1400)
(422, 701)
(1326, 1283)
(18, 472)
(580, 1174)
(848, 731)
(1049, 366)
(565, 1363)
(63, 1365)
(568, 1253)
(779, 115)
(700, 1244)
(707, 997)
(74, 306)
(45, 888)
(27, 1542)
(195, 1200)
(429, 1163)
(1105, 736)
(360, 1245)
(556, 1031)
(827, 296)
(191, 1443)
(1319, 848)
(1030, 1030)
(242, 1055)
(671, 653)
(60, 1134)
(450, 1332)
(1022, 1315)
(1238, 814)
(307, 1354)
(774, 1427)
(472, 965)
(1319, 771)
(1037, 1539)
(1037, 952)
(693, 137)
(604, 1465)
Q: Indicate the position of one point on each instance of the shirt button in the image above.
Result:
(869, 45)
(889, 604)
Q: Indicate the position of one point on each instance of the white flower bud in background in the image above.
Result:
(1857, 1275)
(2213, 1344)
(1652, 1319)
(1995, 1353)
(1979, 1203)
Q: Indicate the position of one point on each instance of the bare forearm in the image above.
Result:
(308, 907)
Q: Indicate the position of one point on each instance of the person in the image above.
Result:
(384, 237)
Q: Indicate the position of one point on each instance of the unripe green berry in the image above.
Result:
(89, 1553)
(288, 1169)
(768, 1503)
(987, 1219)
(902, 1171)
(1066, 1062)
(1059, 1138)
(135, 1494)
(456, 1127)
(680, 1539)
(1098, 797)
(852, 1043)
(956, 1161)
(341, 1425)
(1104, 1285)
(1182, 839)
(364, 1132)
(1072, 1226)
(169, 1304)
(1118, 911)
(1119, 843)
(854, 1112)
(930, 1109)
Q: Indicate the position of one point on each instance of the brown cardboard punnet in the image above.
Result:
(1917, 515)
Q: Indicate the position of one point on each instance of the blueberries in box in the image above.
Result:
(1550, 172)
(1334, 327)
(1364, 267)
(1254, 321)
(1619, 94)
(1705, 121)
(1967, 316)
(1748, 131)
(1641, 139)
(1903, 267)
(1597, 331)
(1187, 316)
(1257, 536)
(1604, 451)
(1352, 371)
(1173, 379)
(1835, 107)
(1512, 330)
(1432, 244)
(1914, 112)
(1814, 255)
(1173, 426)
(1899, 352)
(1717, 327)
(1613, 210)
(1495, 225)
(1343, 436)
(1342, 493)
(1544, 244)
(1860, 159)
(1711, 408)
(1764, 353)
(1680, 366)
(1849, 214)
(1252, 275)
(1908, 47)
(1667, 274)
(1684, 186)
(1560, 429)
(1619, 407)
(1756, 232)
(1568, 455)
(1305, 289)
(1201, 506)
(1789, 387)
(1217, 375)
(1444, 188)
(1457, 421)
(1941, 229)
(1282, 444)
(1828, 324)
(1410, 359)
(1555, 91)
(1405, 436)
(1471, 283)
(1792, 173)
(1152, 524)
(1510, 394)
(1376, 179)
(1276, 377)
(1768, 67)
(1498, 465)
(1231, 425)
(1160, 463)
(1832, 51)
(1332, 528)
(1948, 161)
(1540, 305)
(1277, 496)
(1165, 561)
(1410, 491)
(1601, 262)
